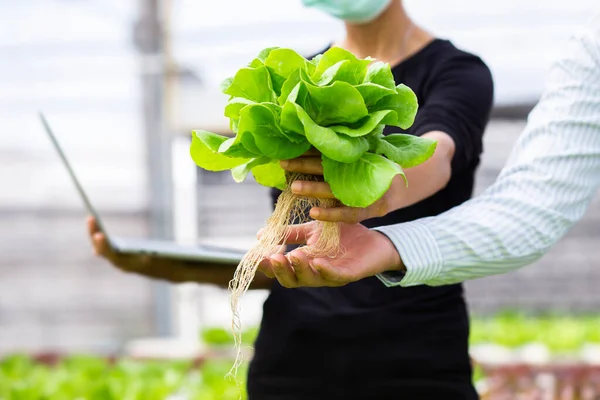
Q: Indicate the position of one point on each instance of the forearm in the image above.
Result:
(187, 271)
(510, 226)
(425, 179)
(543, 191)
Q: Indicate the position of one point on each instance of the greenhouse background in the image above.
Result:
(123, 105)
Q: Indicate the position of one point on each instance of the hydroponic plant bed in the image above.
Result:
(532, 356)
(96, 378)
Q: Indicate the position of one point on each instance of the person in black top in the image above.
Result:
(364, 340)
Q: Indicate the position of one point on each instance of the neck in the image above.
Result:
(391, 37)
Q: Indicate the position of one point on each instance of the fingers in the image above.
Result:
(92, 229)
(305, 165)
(296, 269)
(330, 274)
(305, 274)
(101, 247)
(283, 271)
(349, 215)
(99, 242)
(128, 263)
(319, 190)
(92, 226)
(266, 268)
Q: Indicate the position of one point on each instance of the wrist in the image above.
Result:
(391, 260)
(397, 194)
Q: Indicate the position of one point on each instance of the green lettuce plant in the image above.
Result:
(281, 105)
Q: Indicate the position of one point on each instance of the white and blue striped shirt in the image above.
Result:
(545, 188)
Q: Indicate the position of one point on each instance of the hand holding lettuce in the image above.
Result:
(281, 105)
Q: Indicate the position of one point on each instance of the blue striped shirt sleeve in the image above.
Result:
(546, 186)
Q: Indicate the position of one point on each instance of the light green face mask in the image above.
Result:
(355, 11)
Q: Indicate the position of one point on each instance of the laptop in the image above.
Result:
(201, 255)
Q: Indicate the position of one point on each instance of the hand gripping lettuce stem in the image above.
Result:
(282, 105)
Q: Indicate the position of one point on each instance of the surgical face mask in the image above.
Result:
(354, 11)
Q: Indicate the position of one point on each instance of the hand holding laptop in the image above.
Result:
(163, 267)
(153, 266)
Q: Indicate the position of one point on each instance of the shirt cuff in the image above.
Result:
(419, 252)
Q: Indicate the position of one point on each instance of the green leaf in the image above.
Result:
(374, 136)
(291, 91)
(337, 64)
(361, 183)
(210, 140)
(232, 111)
(344, 71)
(338, 103)
(240, 172)
(276, 110)
(233, 106)
(247, 140)
(233, 147)
(289, 116)
(385, 117)
(288, 87)
(372, 93)
(280, 148)
(262, 121)
(329, 58)
(243, 142)
(289, 119)
(406, 150)
(337, 147)
(264, 53)
(404, 102)
(381, 74)
(233, 124)
(204, 151)
(282, 63)
(255, 63)
(252, 84)
(315, 60)
(270, 175)
(225, 84)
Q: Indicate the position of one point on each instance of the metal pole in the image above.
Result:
(187, 298)
(149, 40)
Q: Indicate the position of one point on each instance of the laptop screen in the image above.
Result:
(78, 186)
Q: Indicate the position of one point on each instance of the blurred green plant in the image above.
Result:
(560, 333)
(508, 328)
(213, 385)
(216, 336)
(93, 378)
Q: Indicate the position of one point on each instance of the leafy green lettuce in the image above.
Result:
(281, 105)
